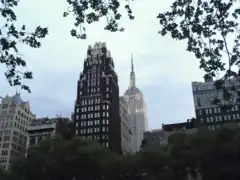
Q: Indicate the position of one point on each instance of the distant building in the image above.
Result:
(152, 138)
(15, 117)
(136, 111)
(125, 127)
(43, 128)
(208, 113)
(96, 114)
(188, 127)
(158, 137)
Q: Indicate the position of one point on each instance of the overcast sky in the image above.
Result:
(164, 70)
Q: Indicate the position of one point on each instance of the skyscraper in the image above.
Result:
(96, 113)
(15, 116)
(126, 133)
(136, 111)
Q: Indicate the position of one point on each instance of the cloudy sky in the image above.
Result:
(164, 70)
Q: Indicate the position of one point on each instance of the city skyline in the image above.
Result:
(161, 74)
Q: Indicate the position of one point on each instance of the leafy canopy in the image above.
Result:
(211, 29)
(212, 155)
(10, 38)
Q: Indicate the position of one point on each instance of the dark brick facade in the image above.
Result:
(96, 114)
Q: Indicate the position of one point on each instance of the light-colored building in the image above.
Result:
(126, 134)
(15, 117)
(44, 128)
(210, 114)
(136, 111)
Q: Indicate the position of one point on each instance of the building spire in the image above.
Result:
(132, 75)
(132, 62)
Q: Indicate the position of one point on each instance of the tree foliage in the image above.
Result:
(10, 38)
(212, 31)
(86, 11)
(210, 155)
(3, 175)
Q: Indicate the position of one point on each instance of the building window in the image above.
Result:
(225, 118)
(229, 117)
(220, 118)
(206, 110)
(208, 120)
(210, 111)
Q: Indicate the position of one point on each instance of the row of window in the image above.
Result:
(91, 108)
(91, 123)
(11, 124)
(3, 161)
(93, 82)
(222, 118)
(217, 126)
(96, 115)
(91, 101)
(216, 110)
(92, 130)
(90, 90)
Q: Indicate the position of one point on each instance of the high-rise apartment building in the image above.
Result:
(136, 111)
(208, 113)
(96, 113)
(15, 116)
(126, 133)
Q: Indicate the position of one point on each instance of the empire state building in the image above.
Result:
(136, 111)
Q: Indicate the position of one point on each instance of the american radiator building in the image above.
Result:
(136, 111)
(96, 114)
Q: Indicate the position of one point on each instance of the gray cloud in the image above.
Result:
(164, 69)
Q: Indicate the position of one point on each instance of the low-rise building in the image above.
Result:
(188, 127)
(157, 137)
(152, 138)
(44, 128)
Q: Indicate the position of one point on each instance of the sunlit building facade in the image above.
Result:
(136, 111)
(15, 117)
(126, 133)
